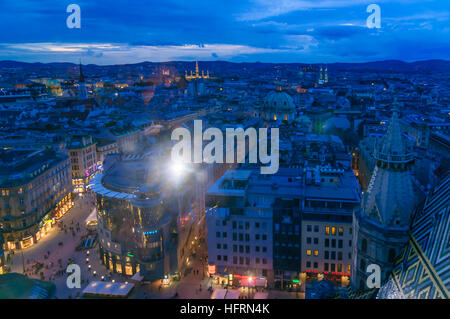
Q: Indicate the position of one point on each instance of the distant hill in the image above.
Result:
(377, 66)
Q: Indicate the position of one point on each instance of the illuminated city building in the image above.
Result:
(196, 75)
(139, 212)
(35, 190)
(282, 228)
(277, 106)
(83, 160)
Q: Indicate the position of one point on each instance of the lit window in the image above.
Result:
(308, 252)
(341, 231)
(327, 230)
(333, 230)
(316, 253)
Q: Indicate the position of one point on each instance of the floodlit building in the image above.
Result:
(83, 161)
(35, 188)
(139, 209)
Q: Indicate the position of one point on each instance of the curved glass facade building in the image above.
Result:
(138, 212)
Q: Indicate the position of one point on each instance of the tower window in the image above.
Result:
(364, 245)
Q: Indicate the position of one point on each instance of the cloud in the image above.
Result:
(287, 30)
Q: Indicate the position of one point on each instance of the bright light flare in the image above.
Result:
(177, 169)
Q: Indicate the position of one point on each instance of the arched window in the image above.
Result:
(391, 255)
(364, 245)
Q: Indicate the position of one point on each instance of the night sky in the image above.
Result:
(125, 31)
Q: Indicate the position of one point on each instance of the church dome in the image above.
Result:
(279, 101)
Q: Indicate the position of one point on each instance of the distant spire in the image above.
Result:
(196, 68)
(81, 74)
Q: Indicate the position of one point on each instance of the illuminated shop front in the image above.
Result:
(236, 280)
(28, 237)
(342, 277)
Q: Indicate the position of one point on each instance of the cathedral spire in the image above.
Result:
(81, 79)
(391, 181)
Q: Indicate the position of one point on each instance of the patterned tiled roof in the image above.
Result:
(423, 270)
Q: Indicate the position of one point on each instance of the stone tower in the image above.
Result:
(380, 228)
(82, 91)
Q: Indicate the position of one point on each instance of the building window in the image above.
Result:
(235, 260)
(316, 253)
(264, 261)
(308, 228)
(218, 234)
(264, 237)
(327, 254)
(340, 243)
(257, 260)
(364, 245)
(327, 242)
(219, 257)
(327, 230)
(308, 240)
(339, 255)
(308, 264)
(362, 264)
(333, 231)
(316, 241)
(316, 228)
(316, 265)
(308, 252)
(326, 266)
(341, 231)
